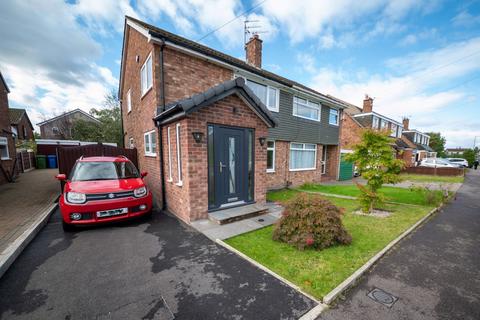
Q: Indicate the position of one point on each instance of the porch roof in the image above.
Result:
(179, 109)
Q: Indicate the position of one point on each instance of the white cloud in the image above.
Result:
(343, 22)
(49, 65)
(195, 18)
(417, 85)
(465, 19)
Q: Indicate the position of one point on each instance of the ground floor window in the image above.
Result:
(302, 156)
(150, 144)
(271, 156)
(4, 155)
(324, 159)
(179, 156)
(131, 144)
(170, 179)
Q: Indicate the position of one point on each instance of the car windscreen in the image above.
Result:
(102, 170)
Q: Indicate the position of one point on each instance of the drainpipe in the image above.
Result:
(160, 135)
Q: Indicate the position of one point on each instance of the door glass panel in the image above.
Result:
(231, 164)
(211, 168)
(250, 164)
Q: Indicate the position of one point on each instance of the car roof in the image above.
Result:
(104, 159)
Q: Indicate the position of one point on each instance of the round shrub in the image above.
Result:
(311, 221)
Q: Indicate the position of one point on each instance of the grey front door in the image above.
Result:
(229, 161)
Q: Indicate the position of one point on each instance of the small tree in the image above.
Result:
(437, 143)
(376, 162)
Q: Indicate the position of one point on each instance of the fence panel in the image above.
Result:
(436, 171)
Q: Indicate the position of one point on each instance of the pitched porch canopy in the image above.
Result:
(180, 109)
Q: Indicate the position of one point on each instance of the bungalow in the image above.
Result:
(214, 131)
(7, 144)
(420, 140)
(356, 118)
(21, 125)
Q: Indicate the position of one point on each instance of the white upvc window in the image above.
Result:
(179, 156)
(150, 144)
(303, 156)
(130, 143)
(4, 154)
(129, 100)
(324, 159)
(399, 132)
(383, 124)
(375, 121)
(267, 94)
(333, 117)
(146, 77)
(394, 129)
(270, 156)
(306, 109)
(169, 142)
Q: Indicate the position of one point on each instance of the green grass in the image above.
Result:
(318, 272)
(429, 178)
(392, 194)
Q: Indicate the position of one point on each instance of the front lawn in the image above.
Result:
(392, 194)
(429, 178)
(318, 272)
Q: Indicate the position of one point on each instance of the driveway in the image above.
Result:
(140, 270)
(435, 273)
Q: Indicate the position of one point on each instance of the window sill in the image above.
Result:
(6, 159)
(151, 155)
(271, 171)
(316, 120)
(306, 169)
(179, 184)
(332, 124)
(170, 180)
(129, 111)
(146, 92)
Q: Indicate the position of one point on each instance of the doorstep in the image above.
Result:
(215, 231)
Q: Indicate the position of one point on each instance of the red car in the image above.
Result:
(103, 189)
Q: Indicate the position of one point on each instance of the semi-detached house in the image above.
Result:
(214, 131)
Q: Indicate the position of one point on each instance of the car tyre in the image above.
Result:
(67, 227)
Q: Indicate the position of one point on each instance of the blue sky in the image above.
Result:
(419, 59)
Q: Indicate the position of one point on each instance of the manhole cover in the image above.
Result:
(382, 297)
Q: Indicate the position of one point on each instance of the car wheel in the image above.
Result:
(67, 227)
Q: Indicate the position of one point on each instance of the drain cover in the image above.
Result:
(261, 220)
(382, 297)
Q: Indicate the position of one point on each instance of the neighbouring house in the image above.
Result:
(20, 124)
(421, 141)
(354, 120)
(7, 143)
(61, 127)
(214, 131)
(455, 151)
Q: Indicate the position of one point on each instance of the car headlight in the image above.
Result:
(76, 197)
(140, 192)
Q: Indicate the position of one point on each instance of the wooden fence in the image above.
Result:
(436, 171)
(25, 161)
(68, 155)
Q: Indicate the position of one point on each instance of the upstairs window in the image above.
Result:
(268, 95)
(394, 128)
(375, 123)
(129, 101)
(383, 124)
(306, 109)
(146, 77)
(333, 117)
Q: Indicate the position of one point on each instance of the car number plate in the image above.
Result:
(109, 213)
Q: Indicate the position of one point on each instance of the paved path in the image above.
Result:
(435, 273)
(140, 270)
(21, 202)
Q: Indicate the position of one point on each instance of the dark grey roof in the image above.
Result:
(195, 46)
(401, 144)
(423, 147)
(4, 82)
(183, 107)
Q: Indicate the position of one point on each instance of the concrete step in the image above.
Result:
(237, 213)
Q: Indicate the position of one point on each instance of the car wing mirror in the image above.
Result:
(61, 177)
(144, 174)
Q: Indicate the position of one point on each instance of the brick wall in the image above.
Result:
(5, 125)
(350, 132)
(283, 177)
(190, 201)
(23, 123)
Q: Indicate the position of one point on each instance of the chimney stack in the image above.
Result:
(367, 104)
(406, 122)
(253, 50)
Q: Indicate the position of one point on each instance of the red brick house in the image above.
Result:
(214, 131)
(355, 119)
(7, 144)
(21, 126)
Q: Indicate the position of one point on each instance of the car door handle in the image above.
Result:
(221, 166)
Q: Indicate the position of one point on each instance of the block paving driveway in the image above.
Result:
(157, 269)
